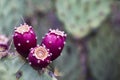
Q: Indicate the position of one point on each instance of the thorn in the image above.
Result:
(27, 58)
(65, 35)
(43, 45)
(19, 44)
(12, 35)
(20, 24)
(59, 48)
(48, 49)
(42, 37)
(61, 54)
(30, 63)
(31, 32)
(50, 29)
(15, 28)
(50, 54)
(50, 42)
(64, 42)
(57, 29)
(48, 61)
(27, 41)
(46, 34)
(57, 36)
(37, 45)
(33, 55)
(24, 24)
(31, 48)
(30, 26)
(15, 34)
(35, 37)
(38, 61)
(43, 69)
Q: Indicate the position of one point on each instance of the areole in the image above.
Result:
(57, 32)
(22, 29)
(41, 53)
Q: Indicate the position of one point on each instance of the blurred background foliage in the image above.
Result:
(92, 47)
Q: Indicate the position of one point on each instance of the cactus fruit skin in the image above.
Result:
(24, 39)
(39, 57)
(80, 17)
(54, 40)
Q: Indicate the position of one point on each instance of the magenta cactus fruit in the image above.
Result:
(54, 41)
(39, 57)
(3, 43)
(24, 39)
(3, 46)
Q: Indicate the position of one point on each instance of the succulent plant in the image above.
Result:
(80, 17)
(68, 66)
(3, 45)
(104, 54)
(10, 15)
(14, 68)
(37, 6)
(24, 39)
(54, 41)
(39, 57)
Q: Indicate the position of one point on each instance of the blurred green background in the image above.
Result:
(92, 50)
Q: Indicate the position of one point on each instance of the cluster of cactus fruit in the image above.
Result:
(38, 56)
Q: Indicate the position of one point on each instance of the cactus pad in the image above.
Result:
(14, 68)
(104, 54)
(82, 16)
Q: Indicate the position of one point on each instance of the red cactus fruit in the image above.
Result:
(39, 57)
(54, 41)
(3, 43)
(3, 46)
(24, 39)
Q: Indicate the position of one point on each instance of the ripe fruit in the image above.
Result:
(3, 46)
(3, 43)
(24, 39)
(39, 57)
(54, 41)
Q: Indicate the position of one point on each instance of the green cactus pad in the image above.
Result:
(82, 16)
(104, 54)
(68, 64)
(10, 14)
(14, 68)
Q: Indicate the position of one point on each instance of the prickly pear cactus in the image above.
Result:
(67, 66)
(104, 54)
(10, 14)
(14, 68)
(37, 5)
(81, 16)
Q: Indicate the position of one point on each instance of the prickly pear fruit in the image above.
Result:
(3, 46)
(54, 41)
(24, 39)
(3, 43)
(39, 57)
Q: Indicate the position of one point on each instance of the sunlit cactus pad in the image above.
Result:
(14, 68)
(82, 16)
